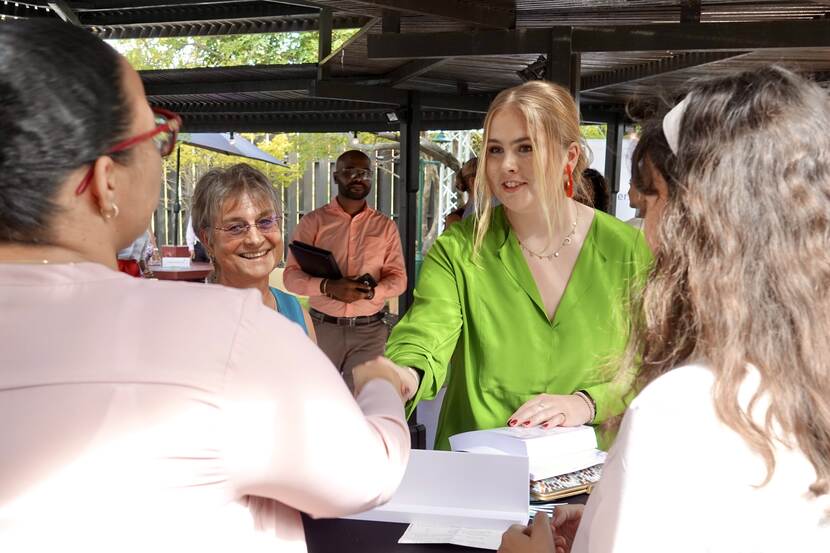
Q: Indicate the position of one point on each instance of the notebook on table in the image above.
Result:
(315, 261)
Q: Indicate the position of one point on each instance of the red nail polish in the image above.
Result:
(526, 423)
(544, 425)
(511, 422)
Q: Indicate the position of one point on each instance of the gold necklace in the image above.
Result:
(565, 241)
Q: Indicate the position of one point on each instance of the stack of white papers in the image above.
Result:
(550, 452)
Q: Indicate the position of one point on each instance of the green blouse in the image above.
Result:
(486, 319)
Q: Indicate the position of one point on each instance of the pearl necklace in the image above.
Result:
(565, 241)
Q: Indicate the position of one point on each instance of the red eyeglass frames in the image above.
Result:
(163, 135)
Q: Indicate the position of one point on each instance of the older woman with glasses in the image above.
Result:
(213, 443)
(237, 215)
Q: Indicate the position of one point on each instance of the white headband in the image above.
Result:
(671, 124)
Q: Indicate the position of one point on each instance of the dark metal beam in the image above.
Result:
(15, 9)
(242, 123)
(391, 22)
(458, 43)
(191, 13)
(248, 26)
(335, 89)
(562, 63)
(63, 10)
(690, 11)
(665, 66)
(412, 69)
(615, 130)
(753, 35)
(223, 125)
(324, 43)
(221, 13)
(372, 94)
(484, 14)
(410, 179)
(478, 103)
(340, 49)
(227, 87)
(626, 38)
(283, 107)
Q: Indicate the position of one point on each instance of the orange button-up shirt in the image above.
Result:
(366, 243)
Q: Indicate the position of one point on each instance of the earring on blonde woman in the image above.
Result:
(107, 214)
(569, 188)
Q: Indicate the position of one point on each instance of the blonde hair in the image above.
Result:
(552, 119)
(742, 264)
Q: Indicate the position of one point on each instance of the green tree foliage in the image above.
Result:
(593, 131)
(225, 51)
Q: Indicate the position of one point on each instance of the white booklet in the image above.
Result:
(458, 490)
(550, 452)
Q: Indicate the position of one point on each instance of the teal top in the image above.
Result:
(487, 320)
(289, 306)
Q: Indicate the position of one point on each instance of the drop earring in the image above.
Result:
(569, 188)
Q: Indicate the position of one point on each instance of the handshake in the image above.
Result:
(350, 289)
(404, 379)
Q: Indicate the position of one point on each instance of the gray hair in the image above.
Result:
(228, 183)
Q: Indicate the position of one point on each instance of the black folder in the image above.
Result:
(315, 261)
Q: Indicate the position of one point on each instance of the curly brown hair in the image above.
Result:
(742, 263)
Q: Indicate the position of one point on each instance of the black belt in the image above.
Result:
(346, 321)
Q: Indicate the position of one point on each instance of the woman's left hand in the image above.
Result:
(536, 538)
(551, 410)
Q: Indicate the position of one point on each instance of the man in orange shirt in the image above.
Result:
(347, 313)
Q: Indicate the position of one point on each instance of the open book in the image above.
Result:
(550, 452)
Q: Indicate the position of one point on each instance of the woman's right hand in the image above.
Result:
(380, 367)
(565, 522)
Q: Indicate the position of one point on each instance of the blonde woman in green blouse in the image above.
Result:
(527, 301)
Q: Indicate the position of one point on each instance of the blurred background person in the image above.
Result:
(595, 192)
(348, 313)
(465, 180)
(237, 215)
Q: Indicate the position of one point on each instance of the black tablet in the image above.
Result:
(315, 261)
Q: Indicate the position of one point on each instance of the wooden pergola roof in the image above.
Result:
(449, 57)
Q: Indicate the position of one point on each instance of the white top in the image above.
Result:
(118, 435)
(677, 479)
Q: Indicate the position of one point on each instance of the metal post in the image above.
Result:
(177, 207)
(410, 169)
(690, 11)
(563, 64)
(324, 42)
(613, 158)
